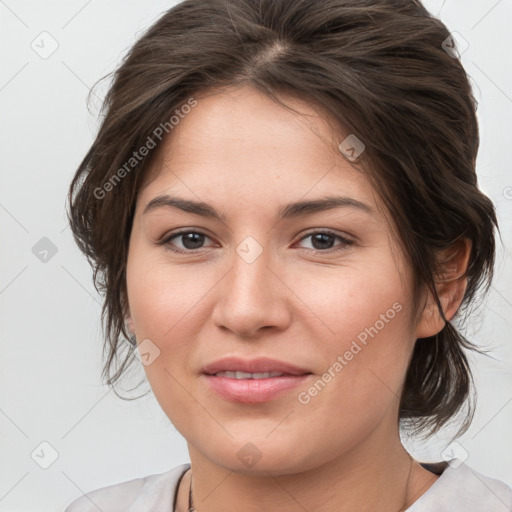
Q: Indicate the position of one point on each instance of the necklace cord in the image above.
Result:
(190, 505)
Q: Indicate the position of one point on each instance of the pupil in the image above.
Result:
(192, 240)
(322, 238)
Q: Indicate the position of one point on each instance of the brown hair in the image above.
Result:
(380, 68)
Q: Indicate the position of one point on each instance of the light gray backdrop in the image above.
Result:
(51, 54)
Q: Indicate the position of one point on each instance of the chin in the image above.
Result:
(260, 456)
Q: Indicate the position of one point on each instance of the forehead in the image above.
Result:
(241, 139)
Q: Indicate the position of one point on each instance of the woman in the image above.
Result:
(282, 210)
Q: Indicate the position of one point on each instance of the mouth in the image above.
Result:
(253, 381)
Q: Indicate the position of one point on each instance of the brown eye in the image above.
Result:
(184, 241)
(324, 241)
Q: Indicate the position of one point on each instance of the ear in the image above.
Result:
(450, 286)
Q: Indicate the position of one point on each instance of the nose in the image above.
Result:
(252, 298)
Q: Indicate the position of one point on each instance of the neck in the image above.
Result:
(371, 476)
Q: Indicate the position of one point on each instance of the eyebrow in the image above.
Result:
(296, 209)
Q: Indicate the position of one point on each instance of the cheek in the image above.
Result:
(169, 307)
(364, 336)
(161, 296)
(357, 301)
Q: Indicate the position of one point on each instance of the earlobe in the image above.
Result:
(451, 284)
(431, 321)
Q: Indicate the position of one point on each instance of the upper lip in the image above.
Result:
(258, 365)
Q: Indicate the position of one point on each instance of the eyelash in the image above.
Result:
(345, 242)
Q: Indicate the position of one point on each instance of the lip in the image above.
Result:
(258, 365)
(253, 391)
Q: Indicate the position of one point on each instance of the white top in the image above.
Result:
(458, 489)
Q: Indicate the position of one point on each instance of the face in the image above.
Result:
(324, 289)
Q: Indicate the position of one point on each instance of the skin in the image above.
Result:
(248, 157)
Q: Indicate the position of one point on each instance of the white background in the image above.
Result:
(50, 388)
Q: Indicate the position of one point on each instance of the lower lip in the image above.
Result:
(254, 391)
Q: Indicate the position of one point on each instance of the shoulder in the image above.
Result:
(461, 488)
(153, 492)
